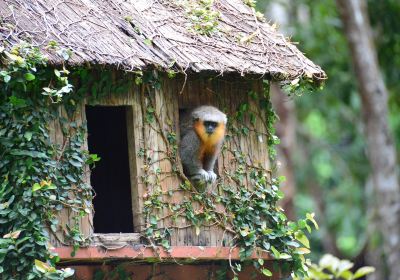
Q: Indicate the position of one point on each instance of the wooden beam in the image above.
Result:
(142, 252)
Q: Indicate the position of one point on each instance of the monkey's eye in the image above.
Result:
(210, 124)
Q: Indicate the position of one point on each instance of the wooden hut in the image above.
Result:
(134, 126)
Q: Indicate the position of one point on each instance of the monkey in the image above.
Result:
(202, 135)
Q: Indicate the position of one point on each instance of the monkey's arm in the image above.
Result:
(209, 163)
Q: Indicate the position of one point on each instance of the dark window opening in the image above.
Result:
(107, 137)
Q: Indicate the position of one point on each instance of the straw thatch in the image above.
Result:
(140, 34)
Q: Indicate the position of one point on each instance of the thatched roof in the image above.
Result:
(140, 34)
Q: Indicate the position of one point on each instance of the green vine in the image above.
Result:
(301, 85)
(37, 177)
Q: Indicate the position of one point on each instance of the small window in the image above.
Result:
(107, 137)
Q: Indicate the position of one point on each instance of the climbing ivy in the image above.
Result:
(37, 177)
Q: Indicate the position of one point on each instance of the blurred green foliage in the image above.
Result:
(329, 132)
(330, 267)
(331, 166)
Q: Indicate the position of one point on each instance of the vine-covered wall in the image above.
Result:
(164, 203)
(37, 177)
(44, 165)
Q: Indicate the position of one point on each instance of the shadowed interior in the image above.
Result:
(107, 137)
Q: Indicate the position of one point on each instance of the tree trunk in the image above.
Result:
(380, 147)
(374, 254)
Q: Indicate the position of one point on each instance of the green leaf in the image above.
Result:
(301, 223)
(285, 256)
(33, 154)
(29, 77)
(308, 228)
(7, 78)
(347, 275)
(69, 177)
(165, 244)
(238, 267)
(75, 163)
(57, 73)
(310, 217)
(17, 102)
(22, 240)
(50, 187)
(153, 220)
(67, 272)
(303, 251)
(293, 243)
(49, 90)
(328, 261)
(147, 203)
(42, 267)
(363, 271)
(244, 232)
(266, 272)
(314, 273)
(28, 135)
(14, 57)
(148, 42)
(275, 252)
(36, 187)
(344, 265)
(300, 236)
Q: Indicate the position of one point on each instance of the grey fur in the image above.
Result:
(190, 144)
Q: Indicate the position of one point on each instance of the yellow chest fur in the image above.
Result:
(208, 142)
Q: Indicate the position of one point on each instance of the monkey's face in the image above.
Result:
(209, 132)
(210, 126)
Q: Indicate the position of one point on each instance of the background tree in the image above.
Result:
(381, 149)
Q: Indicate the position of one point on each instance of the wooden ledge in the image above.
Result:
(143, 253)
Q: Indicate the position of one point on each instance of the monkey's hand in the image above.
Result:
(212, 177)
(204, 177)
